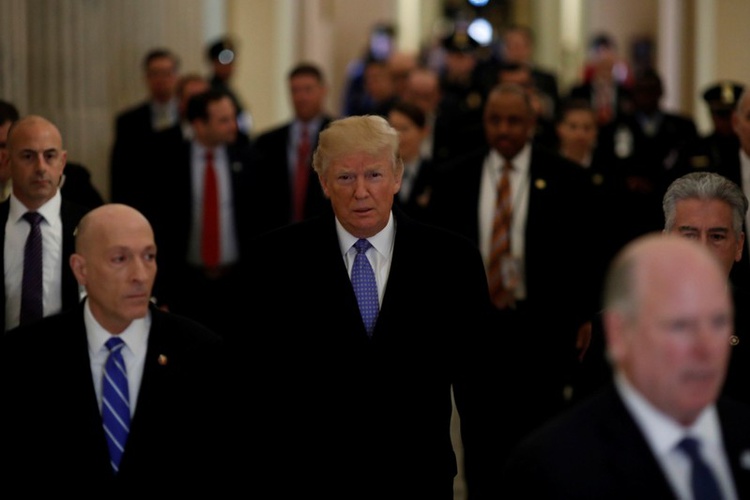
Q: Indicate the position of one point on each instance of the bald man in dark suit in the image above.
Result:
(52, 436)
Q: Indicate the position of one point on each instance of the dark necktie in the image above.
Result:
(115, 402)
(702, 480)
(301, 174)
(31, 286)
(365, 286)
(502, 297)
(210, 240)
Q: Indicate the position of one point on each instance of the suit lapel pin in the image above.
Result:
(540, 183)
(745, 460)
(237, 167)
(162, 360)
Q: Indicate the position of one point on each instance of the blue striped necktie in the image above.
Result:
(365, 286)
(115, 402)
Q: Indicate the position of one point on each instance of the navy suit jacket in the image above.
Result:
(598, 451)
(70, 213)
(374, 412)
(51, 432)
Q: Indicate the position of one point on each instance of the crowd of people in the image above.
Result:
(464, 235)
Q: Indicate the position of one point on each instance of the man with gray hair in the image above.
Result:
(711, 209)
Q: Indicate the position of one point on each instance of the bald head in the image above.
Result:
(668, 321)
(107, 219)
(35, 159)
(115, 261)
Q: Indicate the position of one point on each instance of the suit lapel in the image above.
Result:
(630, 457)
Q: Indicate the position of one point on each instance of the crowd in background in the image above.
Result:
(487, 142)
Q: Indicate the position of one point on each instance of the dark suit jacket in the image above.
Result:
(546, 82)
(597, 451)
(623, 97)
(649, 166)
(70, 213)
(52, 432)
(77, 186)
(171, 203)
(417, 203)
(558, 240)
(374, 412)
(274, 200)
(561, 286)
(129, 155)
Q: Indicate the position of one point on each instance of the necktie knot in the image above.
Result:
(362, 245)
(114, 344)
(33, 218)
(690, 446)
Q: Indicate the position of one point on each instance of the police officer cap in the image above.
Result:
(723, 95)
(460, 41)
(222, 50)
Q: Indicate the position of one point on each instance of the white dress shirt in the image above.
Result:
(519, 195)
(135, 338)
(662, 433)
(379, 254)
(16, 231)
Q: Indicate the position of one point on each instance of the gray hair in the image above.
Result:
(705, 186)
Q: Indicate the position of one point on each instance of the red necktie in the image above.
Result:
(500, 250)
(210, 241)
(301, 174)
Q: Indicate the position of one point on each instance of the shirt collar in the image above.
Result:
(50, 210)
(520, 162)
(135, 335)
(661, 430)
(382, 241)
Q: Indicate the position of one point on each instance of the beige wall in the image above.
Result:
(78, 61)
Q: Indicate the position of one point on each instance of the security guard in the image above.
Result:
(712, 150)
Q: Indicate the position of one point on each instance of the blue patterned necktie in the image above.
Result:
(702, 480)
(115, 402)
(31, 282)
(365, 287)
